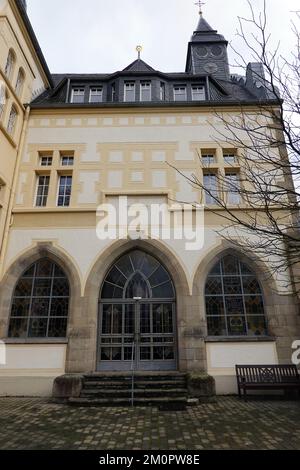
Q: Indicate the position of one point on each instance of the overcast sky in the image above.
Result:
(101, 35)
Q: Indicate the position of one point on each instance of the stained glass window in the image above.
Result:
(40, 303)
(234, 300)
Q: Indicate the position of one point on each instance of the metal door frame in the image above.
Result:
(139, 365)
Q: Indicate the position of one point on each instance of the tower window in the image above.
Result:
(198, 93)
(180, 93)
(96, 95)
(129, 91)
(77, 95)
(145, 91)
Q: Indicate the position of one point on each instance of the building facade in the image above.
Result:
(73, 302)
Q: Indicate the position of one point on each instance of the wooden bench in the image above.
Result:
(269, 377)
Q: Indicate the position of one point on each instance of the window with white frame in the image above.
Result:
(145, 91)
(64, 191)
(229, 158)
(12, 120)
(129, 91)
(10, 64)
(77, 95)
(20, 82)
(96, 95)
(42, 191)
(208, 159)
(67, 160)
(198, 93)
(46, 160)
(180, 93)
(232, 188)
(210, 183)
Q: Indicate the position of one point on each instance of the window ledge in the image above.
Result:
(239, 339)
(35, 340)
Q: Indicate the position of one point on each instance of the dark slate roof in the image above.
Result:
(21, 5)
(138, 66)
(205, 33)
(203, 26)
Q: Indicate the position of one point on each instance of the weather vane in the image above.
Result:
(139, 50)
(200, 4)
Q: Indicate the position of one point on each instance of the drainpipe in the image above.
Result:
(12, 192)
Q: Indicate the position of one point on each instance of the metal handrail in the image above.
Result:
(132, 372)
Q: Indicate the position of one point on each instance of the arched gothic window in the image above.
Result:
(40, 302)
(10, 64)
(138, 274)
(12, 120)
(20, 82)
(234, 300)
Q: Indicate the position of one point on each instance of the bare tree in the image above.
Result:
(259, 196)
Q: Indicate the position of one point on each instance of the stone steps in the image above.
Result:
(150, 392)
(177, 403)
(150, 388)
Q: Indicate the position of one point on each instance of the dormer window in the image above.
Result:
(198, 93)
(77, 95)
(129, 91)
(145, 91)
(162, 92)
(96, 95)
(180, 93)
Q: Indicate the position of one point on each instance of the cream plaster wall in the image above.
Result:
(31, 369)
(222, 358)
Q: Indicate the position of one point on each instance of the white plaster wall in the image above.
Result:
(31, 369)
(223, 357)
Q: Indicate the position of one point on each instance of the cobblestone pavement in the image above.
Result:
(227, 424)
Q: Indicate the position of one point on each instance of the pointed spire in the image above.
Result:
(203, 26)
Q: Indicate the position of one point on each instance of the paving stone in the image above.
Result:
(227, 424)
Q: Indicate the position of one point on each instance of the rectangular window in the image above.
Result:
(77, 95)
(229, 158)
(113, 92)
(210, 183)
(96, 95)
(180, 93)
(208, 159)
(67, 160)
(46, 160)
(145, 91)
(198, 93)
(162, 92)
(64, 191)
(42, 191)
(232, 188)
(129, 92)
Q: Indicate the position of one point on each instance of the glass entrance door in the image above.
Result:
(138, 334)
